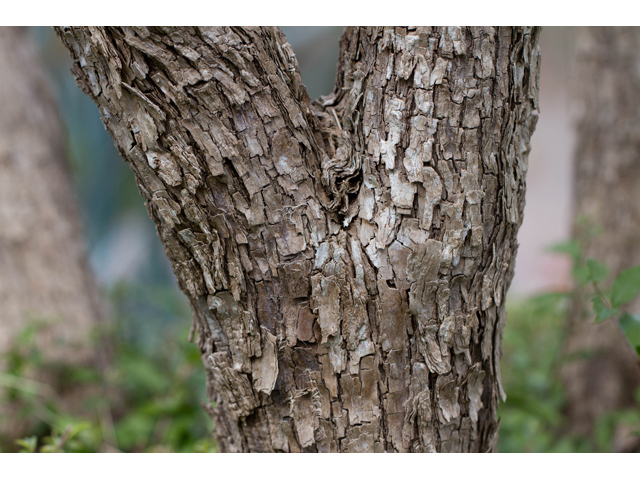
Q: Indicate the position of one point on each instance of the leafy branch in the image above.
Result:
(608, 305)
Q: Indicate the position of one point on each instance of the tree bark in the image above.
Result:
(44, 274)
(607, 193)
(346, 260)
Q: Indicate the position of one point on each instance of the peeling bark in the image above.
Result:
(347, 259)
(607, 190)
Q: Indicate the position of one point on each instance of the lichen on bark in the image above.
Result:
(347, 259)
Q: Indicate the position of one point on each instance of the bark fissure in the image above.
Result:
(346, 259)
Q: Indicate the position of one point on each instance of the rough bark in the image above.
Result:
(607, 194)
(346, 260)
(44, 274)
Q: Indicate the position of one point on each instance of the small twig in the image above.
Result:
(335, 115)
(604, 299)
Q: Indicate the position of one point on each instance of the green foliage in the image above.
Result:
(147, 400)
(571, 248)
(601, 310)
(631, 327)
(596, 271)
(532, 418)
(626, 286)
(607, 424)
(28, 444)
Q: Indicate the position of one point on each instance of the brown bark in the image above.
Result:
(607, 194)
(44, 273)
(346, 260)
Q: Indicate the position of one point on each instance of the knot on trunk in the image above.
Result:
(341, 174)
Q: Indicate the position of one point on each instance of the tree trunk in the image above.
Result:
(44, 274)
(607, 195)
(346, 260)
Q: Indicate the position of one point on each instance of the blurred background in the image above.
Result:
(151, 317)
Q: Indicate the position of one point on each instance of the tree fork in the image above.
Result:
(347, 259)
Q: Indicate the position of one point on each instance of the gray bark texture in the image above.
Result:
(44, 274)
(347, 259)
(607, 195)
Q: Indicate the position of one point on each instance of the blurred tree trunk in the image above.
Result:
(44, 274)
(607, 195)
(347, 260)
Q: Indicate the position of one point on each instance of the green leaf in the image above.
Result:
(626, 286)
(601, 310)
(28, 444)
(597, 271)
(580, 274)
(570, 248)
(73, 430)
(631, 327)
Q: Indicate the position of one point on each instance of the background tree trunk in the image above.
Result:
(43, 268)
(44, 275)
(346, 260)
(607, 195)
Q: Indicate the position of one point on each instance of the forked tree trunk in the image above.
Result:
(44, 273)
(607, 195)
(346, 260)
